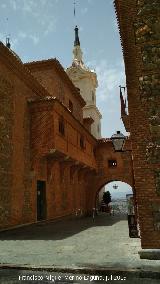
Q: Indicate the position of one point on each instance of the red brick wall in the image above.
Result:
(122, 172)
(30, 130)
(50, 78)
(17, 206)
(45, 135)
(140, 40)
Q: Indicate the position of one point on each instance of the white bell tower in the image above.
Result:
(86, 80)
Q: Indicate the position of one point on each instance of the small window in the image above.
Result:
(61, 126)
(82, 145)
(70, 106)
(98, 128)
(112, 163)
(92, 96)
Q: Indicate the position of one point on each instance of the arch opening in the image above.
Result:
(122, 197)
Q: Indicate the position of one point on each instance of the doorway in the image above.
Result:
(41, 200)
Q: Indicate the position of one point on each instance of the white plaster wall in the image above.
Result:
(94, 113)
(86, 81)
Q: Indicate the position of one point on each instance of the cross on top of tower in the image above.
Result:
(74, 8)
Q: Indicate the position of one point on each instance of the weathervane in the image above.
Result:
(74, 8)
(115, 186)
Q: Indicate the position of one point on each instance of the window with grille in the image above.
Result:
(112, 163)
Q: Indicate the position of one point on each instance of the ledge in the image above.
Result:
(149, 254)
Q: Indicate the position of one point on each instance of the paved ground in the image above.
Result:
(72, 244)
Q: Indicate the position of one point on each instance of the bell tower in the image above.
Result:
(86, 80)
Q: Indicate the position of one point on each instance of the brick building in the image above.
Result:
(139, 26)
(50, 164)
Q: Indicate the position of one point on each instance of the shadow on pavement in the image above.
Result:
(59, 230)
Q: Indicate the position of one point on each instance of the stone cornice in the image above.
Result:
(83, 73)
(12, 61)
(47, 64)
(88, 119)
(95, 108)
(127, 144)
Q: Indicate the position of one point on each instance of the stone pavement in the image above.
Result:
(81, 245)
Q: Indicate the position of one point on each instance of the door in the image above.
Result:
(41, 200)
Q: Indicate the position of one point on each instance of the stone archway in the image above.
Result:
(121, 187)
(112, 166)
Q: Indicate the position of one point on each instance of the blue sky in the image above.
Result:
(121, 190)
(42, 29)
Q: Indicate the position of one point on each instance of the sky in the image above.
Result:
(120, 191)
(43, 29)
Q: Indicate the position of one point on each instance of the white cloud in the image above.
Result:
(81, 29)
(35, 39)
(109, 79)
(35, 12)
(84, 10)
(90, 1)
(50, 27)
(13, 4)
(22, 34)
(115, 25)
(14, 43)
(3, 6)
(108, 101)
(27, 36)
